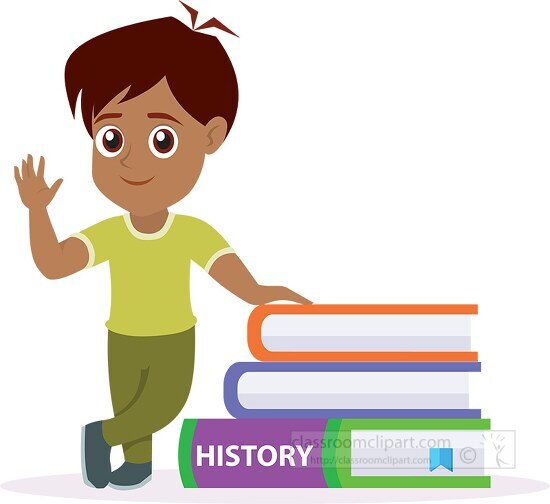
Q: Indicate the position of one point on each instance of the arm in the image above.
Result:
(229, 271)
(53, 259)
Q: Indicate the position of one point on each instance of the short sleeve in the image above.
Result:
(98, 240)
(208, 245)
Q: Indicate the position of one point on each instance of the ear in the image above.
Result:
(216, 129)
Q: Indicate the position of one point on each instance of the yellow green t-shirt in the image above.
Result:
(150, 272)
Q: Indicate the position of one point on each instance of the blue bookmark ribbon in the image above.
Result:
(441, 457)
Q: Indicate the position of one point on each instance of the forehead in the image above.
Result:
(159, 98)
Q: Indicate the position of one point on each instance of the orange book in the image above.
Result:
(361, 332)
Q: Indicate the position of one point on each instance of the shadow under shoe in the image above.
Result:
(96, 453)
(129, 476)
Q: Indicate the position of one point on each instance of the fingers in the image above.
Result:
(17, 176)
(24, 171)
(27, 168)
(295, 297)
(299, 299)
(30, 166)
(41, 164)
(55, 187)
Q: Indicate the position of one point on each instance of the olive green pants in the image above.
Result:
(150, 379)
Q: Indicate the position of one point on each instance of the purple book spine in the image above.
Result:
(260, 446)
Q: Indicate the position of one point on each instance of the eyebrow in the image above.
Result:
(107, 116)
(162, 115)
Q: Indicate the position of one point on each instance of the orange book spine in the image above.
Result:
(260, 352)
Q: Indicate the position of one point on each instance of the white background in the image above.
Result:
(383, 152)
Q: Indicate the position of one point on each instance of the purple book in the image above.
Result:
(349, 390)
(321, 453)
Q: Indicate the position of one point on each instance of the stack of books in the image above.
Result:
(346, 396)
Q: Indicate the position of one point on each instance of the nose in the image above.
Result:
(123, 160)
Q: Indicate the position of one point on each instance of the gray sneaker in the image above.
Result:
(129, 476)
(95, 458)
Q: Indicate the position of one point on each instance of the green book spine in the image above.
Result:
(185, 456)
(337, 453)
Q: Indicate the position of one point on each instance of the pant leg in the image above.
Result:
(128, 371)
(165, 391)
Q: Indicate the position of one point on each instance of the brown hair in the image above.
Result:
(196, 66)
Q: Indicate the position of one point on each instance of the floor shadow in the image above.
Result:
(166, 487)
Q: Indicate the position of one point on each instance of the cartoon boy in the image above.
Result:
(156, 97)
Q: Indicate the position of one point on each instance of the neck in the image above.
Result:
(149, 223)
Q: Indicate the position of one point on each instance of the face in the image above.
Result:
(148, 151)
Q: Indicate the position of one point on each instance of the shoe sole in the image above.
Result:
(83, 458)
(131, 487)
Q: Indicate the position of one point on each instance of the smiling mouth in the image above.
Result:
(137, 182)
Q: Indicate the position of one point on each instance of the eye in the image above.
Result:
(109, 141)
(163, 141)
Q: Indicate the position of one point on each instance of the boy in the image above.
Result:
(156, 97)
